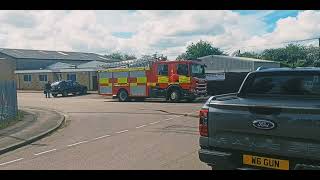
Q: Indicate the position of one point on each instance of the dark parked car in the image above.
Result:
(66, 87)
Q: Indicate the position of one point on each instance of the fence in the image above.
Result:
(8, 100)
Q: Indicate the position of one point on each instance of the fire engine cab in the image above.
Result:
(172, 80)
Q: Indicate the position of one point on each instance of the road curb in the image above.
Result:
(35, 138)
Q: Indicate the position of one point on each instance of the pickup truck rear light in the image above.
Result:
(203, 122)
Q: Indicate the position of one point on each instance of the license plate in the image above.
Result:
(266, 162)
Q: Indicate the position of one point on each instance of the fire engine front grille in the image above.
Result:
(201, 88)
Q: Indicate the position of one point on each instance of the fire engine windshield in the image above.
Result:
(197, 70)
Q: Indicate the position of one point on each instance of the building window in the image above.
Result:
(163, 69)
(27, 77)
(72, 77)
(183, 69)
(43, 78)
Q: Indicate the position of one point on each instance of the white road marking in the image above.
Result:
(173, 117)
(45, 152)
(122, 131)
(77, 143)
(141, 126)
(154, 122)
(11, 161)
(102, 137)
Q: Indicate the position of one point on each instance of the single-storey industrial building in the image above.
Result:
(226, 73)
(39, 59)
(85, 74)
(35, 67)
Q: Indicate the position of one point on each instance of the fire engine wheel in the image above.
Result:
(123, 95)
(174, 96)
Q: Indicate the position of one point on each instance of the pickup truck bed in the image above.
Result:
(270, 131)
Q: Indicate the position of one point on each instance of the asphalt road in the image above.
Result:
(102, 133)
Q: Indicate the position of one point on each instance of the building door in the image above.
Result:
(57, 77)
(94, 83)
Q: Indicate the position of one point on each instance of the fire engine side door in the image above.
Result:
(162, 76)
(183, 72)
(161, 71)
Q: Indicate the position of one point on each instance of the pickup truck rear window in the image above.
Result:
(299, 84)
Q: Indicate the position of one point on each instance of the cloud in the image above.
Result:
(18, 19)
(146, 32)
(304, 26)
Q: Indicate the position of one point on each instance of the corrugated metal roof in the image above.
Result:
(53, 55)
(60, 65)
(238, 58)
(92, 64)
(32, 71)
(53, 71)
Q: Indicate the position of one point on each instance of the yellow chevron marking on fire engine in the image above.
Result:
(152, 84)
(122, 80)
(104, 80)
(163, 79)
(141, 79)
(184, 79)
(117, 85)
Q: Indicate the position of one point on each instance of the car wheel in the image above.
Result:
(174, 96)
(54, 95)
(84, 91)
(64, 93)
(123, 95)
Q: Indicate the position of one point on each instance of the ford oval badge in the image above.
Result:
(263, 124)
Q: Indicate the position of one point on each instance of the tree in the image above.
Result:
(182, 56)
(200, 49)
(154, 56)
(249, 55)
(159, 56)
(316, 64)
(120, 56)
(290, 56)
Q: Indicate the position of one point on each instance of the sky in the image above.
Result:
(146, 32)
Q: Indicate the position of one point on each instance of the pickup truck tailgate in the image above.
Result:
(296, 130)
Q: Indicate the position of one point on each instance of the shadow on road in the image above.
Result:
(158, 101)
(57, 97)
(178, 129)
(121, 113)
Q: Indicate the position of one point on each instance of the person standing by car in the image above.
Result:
(47, 89)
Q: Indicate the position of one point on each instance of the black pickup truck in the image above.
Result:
(272, 122)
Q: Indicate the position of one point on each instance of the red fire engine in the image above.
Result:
(173, 80)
